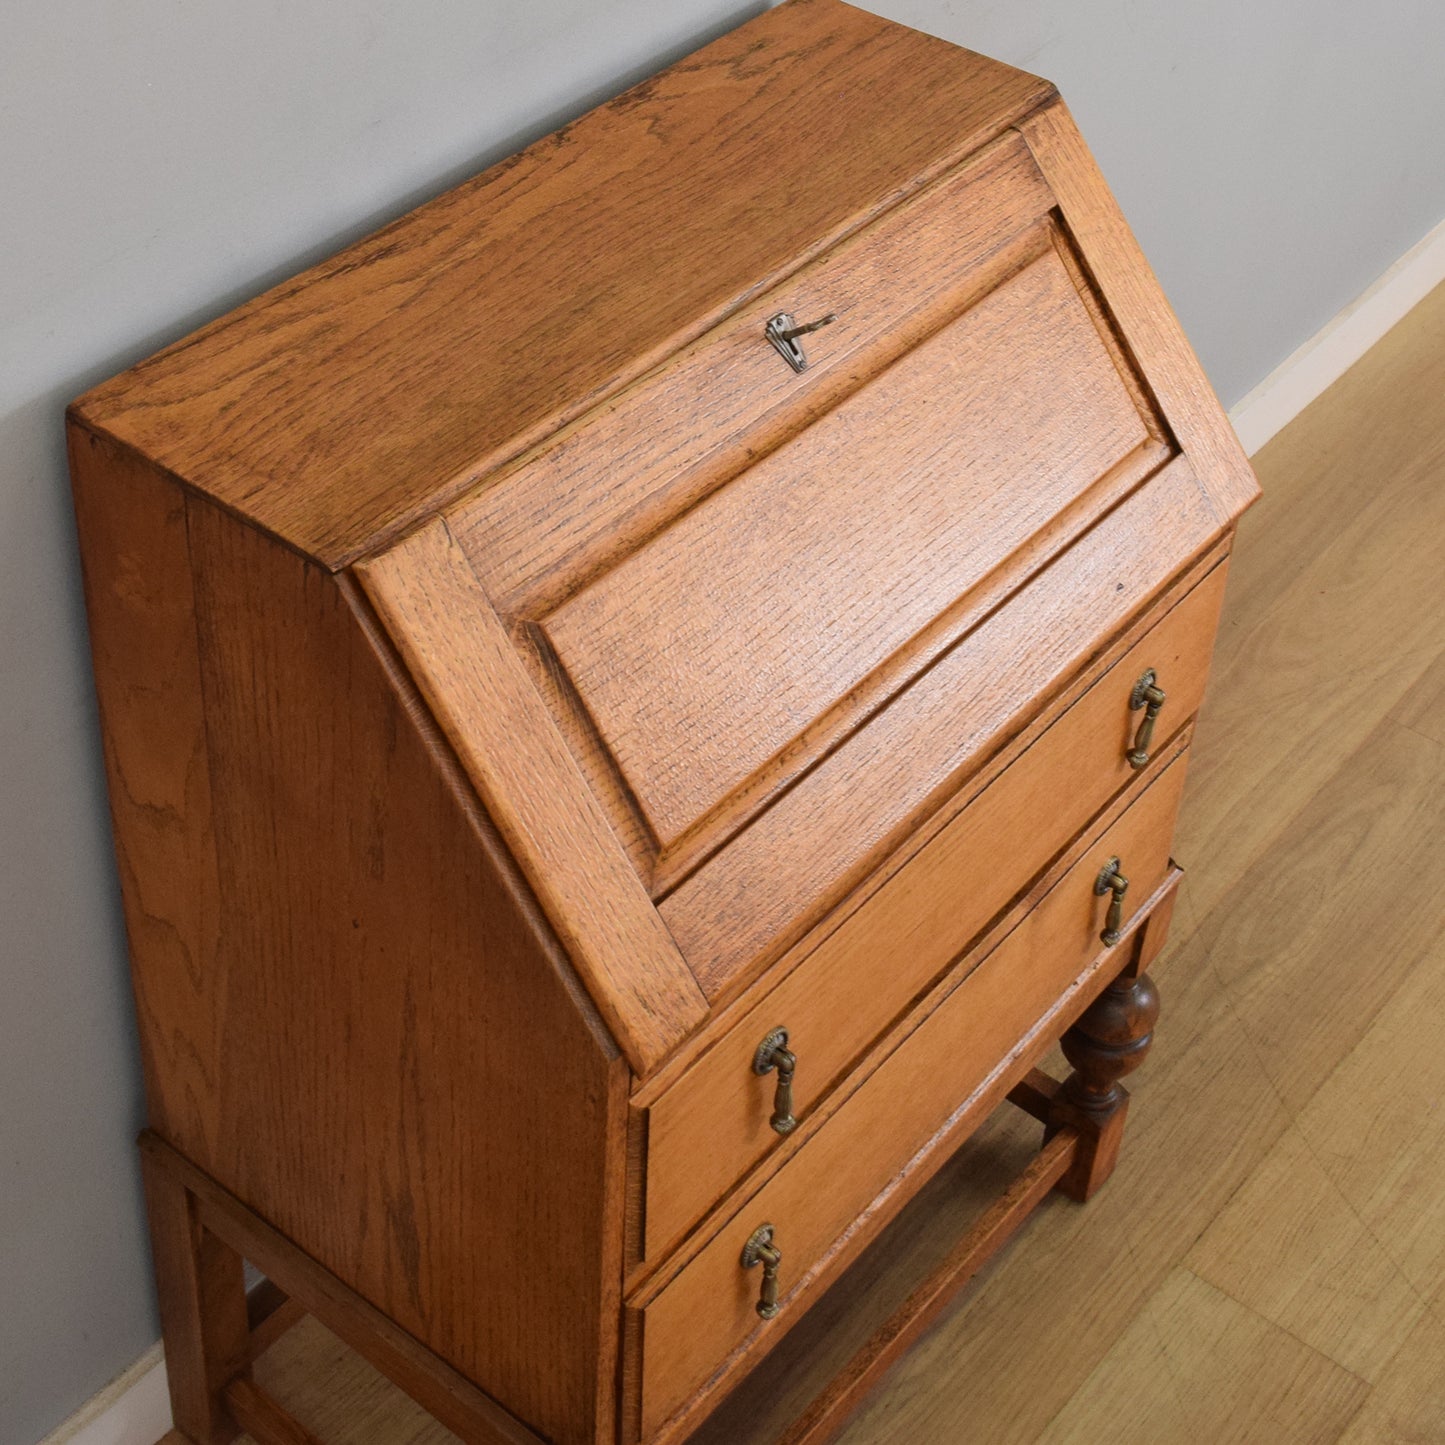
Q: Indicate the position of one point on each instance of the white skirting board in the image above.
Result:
(1341, 342)
(134, 1408)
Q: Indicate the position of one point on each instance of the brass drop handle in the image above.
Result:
(1150, 696)
(760, 1249)
(1112, 882)
(773, 1054)
(784, 332)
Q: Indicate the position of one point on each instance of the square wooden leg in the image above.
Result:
(201, 1285)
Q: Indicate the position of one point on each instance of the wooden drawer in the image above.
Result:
(712, 1125)
(695, 1317)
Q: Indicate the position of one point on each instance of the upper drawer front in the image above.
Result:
(713, 1124)
(714, 647)
(694, 1320)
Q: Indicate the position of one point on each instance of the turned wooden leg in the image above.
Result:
(202, 1290)
(1110, 1040)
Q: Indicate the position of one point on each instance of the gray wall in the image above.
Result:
(159, 161)
(1273, 156)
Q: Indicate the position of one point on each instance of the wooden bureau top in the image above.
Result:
(344, 405)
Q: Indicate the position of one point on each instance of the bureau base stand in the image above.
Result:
(201, 1234)
(1084, 1121)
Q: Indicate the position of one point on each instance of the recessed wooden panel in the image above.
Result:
(712, 1125)
(693, 1321)
(711, 649)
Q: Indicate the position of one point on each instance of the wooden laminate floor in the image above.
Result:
(1268, 1264)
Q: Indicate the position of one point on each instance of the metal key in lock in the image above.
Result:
(784, 332)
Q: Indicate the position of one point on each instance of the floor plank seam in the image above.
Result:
(1181, 1397)
(1354, 1213)
(1409, 729)
(1276, 1325)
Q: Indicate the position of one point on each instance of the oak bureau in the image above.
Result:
(639, 701)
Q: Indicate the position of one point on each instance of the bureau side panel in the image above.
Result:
(429, 1104)
(354, 1018)
(136, 564)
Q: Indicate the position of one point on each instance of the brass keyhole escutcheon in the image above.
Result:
(760, 1249)
(1148, 695)
(1112, 882)
(773, 1054)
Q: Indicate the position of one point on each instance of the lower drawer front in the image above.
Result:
(695, 1320)
(710, 1127)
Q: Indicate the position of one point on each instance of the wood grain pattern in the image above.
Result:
(1291, 1248)
(1407, 1403)
(285, 1015)
(389, 972)
(679, 194)
(760, 893)
(712, 1123)
(1199, 1120)
(597, 488)
(426, 884)
(494, 540)
(822, 1420)
(141, 610)
(449, 1396)
(726, 1012)
(369, 1408)
(1376, 1128)
(1365, 594)
(1356, 797)
(1013, 1353)
(710, 650)
(262, 1418)
(1388, 810)
(429, 599)
(694, 1319)
(266, 1331)
(970, 1115)
(201, 1290)
(1197, 1365)
(1140, 310)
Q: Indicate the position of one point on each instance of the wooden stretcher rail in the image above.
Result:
(430, 1381)
(827, 1415)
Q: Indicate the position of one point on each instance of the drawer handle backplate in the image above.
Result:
(772, 1054)
(784, 332)
(1112, 882)
(760, 1249)
(1150, 696)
